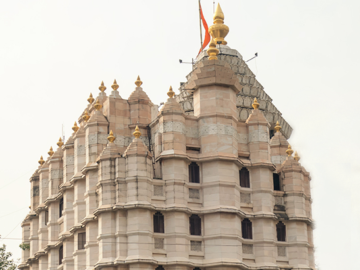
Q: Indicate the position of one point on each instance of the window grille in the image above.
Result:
(246, 228)
(81, 240)
(159, 223)
(194, 173)
(281, 231)
(195, 225)
(244, 178)
(276, 180)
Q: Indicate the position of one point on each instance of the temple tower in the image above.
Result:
(208, 181)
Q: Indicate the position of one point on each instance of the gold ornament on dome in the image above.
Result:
(289, 151)
(296, 156)
(115, 86)
(138, 82)
(102, 87)
(277, 127)
(98, 105)
(51, 152)
(212, 51)
(137, 133)
(111, 138)
(86, 116)
(60, 142)
(219, 30)
(41, 161)
(255, 104)
(90, 99)
(75, 128)
(171, 93)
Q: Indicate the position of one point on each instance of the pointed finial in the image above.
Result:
(289, 151)
(138, 82)
(90, 99)
(296, 157)
(277, 127)
(86, 116)
(219, 30)
(255, 104)
(102, 87)
(41, 161)
(51, 152)
(97, 105)
(75, 128)
(115, 86)
(137, 133)
(212, 51)
(111, 138)
(171, 93)
(60, 142)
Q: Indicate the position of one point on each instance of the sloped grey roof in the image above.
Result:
(251, 89)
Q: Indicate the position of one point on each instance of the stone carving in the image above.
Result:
(35, 191)
(279, 200)
(245, 198)
(194, 193)
(69, 160)
(159, 243)
(81, 150)
(247, 249)
(281, 251)
(258, 136)
(56, 174)
(158, 191)
(195, 245)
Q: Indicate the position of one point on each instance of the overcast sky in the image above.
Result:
(54, 53)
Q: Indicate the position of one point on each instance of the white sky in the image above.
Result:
(54, 53)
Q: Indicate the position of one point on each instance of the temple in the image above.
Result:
(206, 181)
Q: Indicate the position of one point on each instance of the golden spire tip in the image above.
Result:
(212, 51)
(75, 128)
(255, 104)
(138, 82)
(277, 126)
(41, 161)
(296, 157)
(115, 86)
(86, 116)
(97, 105)
(289, 151)
(171, 93)
(137, 133)
(111, 138)
(90, 99)
(102, 87)
(51, 152)
(219, 30)
(60, 142)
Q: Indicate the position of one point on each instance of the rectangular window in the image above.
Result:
(244, 178)
(81, 240)
(276, 179)
(61, 255)
(194, 173)
(61, 207)
(46, 217)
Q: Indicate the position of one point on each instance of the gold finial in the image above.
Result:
(277, 127)
(102, 87)
(111, 138)
(41, 161)
(90, 99)
(219, 30)
(75, 128)
(138, 82)
(296, 156)
(115, 86)
(212, 51)
(51, 152)
(171, 93)
(289, 151)
(60, 142)
(97, 105)
(137, 133)
(255, 104)
(86, 116)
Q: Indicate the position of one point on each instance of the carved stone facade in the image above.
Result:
(132, 205)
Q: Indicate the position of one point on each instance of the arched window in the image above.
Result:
(276, 180)
(159, 223)
(195, 225)
(244, 178)
(281, 231)
(194, 173)
(61, 255)
(246, 228)
(159, 268)
(61, 206)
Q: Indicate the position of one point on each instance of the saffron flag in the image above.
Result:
(207, 35)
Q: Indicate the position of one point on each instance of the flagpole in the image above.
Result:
(201, 42)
